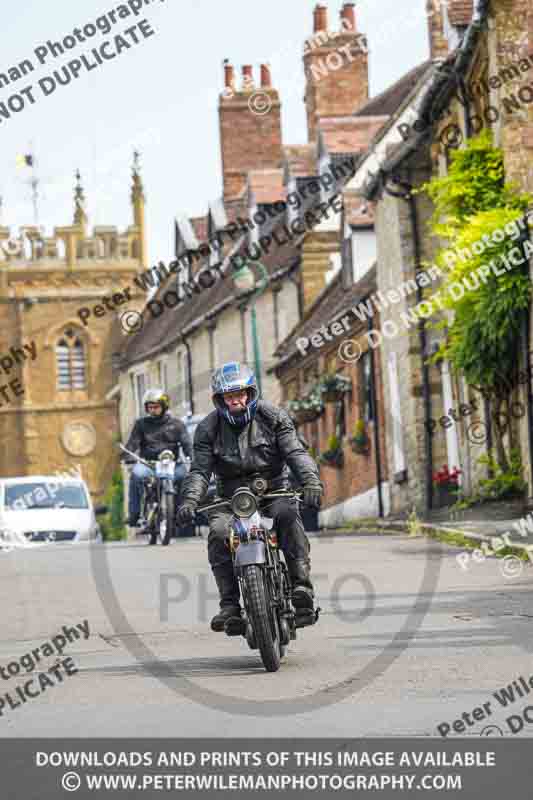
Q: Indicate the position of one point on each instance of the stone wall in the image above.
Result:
(48, 428)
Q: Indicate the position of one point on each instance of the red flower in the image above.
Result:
(444, 477)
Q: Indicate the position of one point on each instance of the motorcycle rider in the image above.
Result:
(152, 434)
(244, 438)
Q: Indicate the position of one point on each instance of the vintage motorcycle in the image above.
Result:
(262, 573)
(158, 504)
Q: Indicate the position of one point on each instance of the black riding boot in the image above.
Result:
(302, 591)
(228, 589)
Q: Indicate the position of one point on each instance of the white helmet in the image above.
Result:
(156, 395)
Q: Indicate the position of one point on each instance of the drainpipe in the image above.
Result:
(466, 104)
(296, 278)
(377, 451)
(189, 373)
(423, 347)
(526, 349)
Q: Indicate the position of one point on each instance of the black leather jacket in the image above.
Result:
(264, 447)
(151, 435)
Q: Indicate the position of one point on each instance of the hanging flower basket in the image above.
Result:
(360, 442)
(332, 458)
(307, 415)
(360, 447)
(308, 408)
(334, 455)
(334, 387)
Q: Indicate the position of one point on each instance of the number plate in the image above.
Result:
(164, 469)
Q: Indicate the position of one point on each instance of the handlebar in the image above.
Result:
(272, 496)
(135, 457)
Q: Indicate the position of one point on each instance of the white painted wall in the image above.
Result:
(362, 505)
(364, 248)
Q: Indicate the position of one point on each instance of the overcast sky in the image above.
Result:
(162, 95)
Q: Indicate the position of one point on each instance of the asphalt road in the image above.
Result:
(406, 641)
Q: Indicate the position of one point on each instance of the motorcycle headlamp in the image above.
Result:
(243, 503)
(166, 455)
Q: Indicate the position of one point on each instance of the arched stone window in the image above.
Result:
(70, 362)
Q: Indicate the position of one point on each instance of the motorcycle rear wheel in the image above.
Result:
(259, 615)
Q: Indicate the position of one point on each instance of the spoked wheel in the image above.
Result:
(167, 518)
(152, 526)
(282, 647)
(264, 622)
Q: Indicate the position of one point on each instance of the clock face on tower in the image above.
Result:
(79, 438)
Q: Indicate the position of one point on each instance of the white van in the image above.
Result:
(47, 509)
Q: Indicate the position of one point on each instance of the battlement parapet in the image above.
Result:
(69, 244)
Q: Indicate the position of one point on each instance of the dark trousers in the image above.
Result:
(291, 537)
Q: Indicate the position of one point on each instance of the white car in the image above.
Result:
(46, 509)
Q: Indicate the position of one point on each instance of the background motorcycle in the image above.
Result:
(158, 504)
(262, 574)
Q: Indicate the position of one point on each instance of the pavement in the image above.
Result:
(481, 523)
(406, 641)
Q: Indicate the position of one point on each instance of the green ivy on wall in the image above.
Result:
(472, 202)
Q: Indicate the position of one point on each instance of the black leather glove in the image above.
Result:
(186, 513)
(313, 496)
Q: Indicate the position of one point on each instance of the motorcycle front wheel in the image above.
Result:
(167, 517)
(266, 633)
(151, 521)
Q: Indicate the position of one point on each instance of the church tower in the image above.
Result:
(61, 300)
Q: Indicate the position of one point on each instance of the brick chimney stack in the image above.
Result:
(348, 15)
(250, 138)
(460, 12)
(247, 78)
(447, 22)
(320, 15)
(266, 78)
(336, 69)
(229, 75)
(438, 41)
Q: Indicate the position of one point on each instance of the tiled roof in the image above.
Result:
(166, 329)
(333, 302)
(390, 100)
(349, 134)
